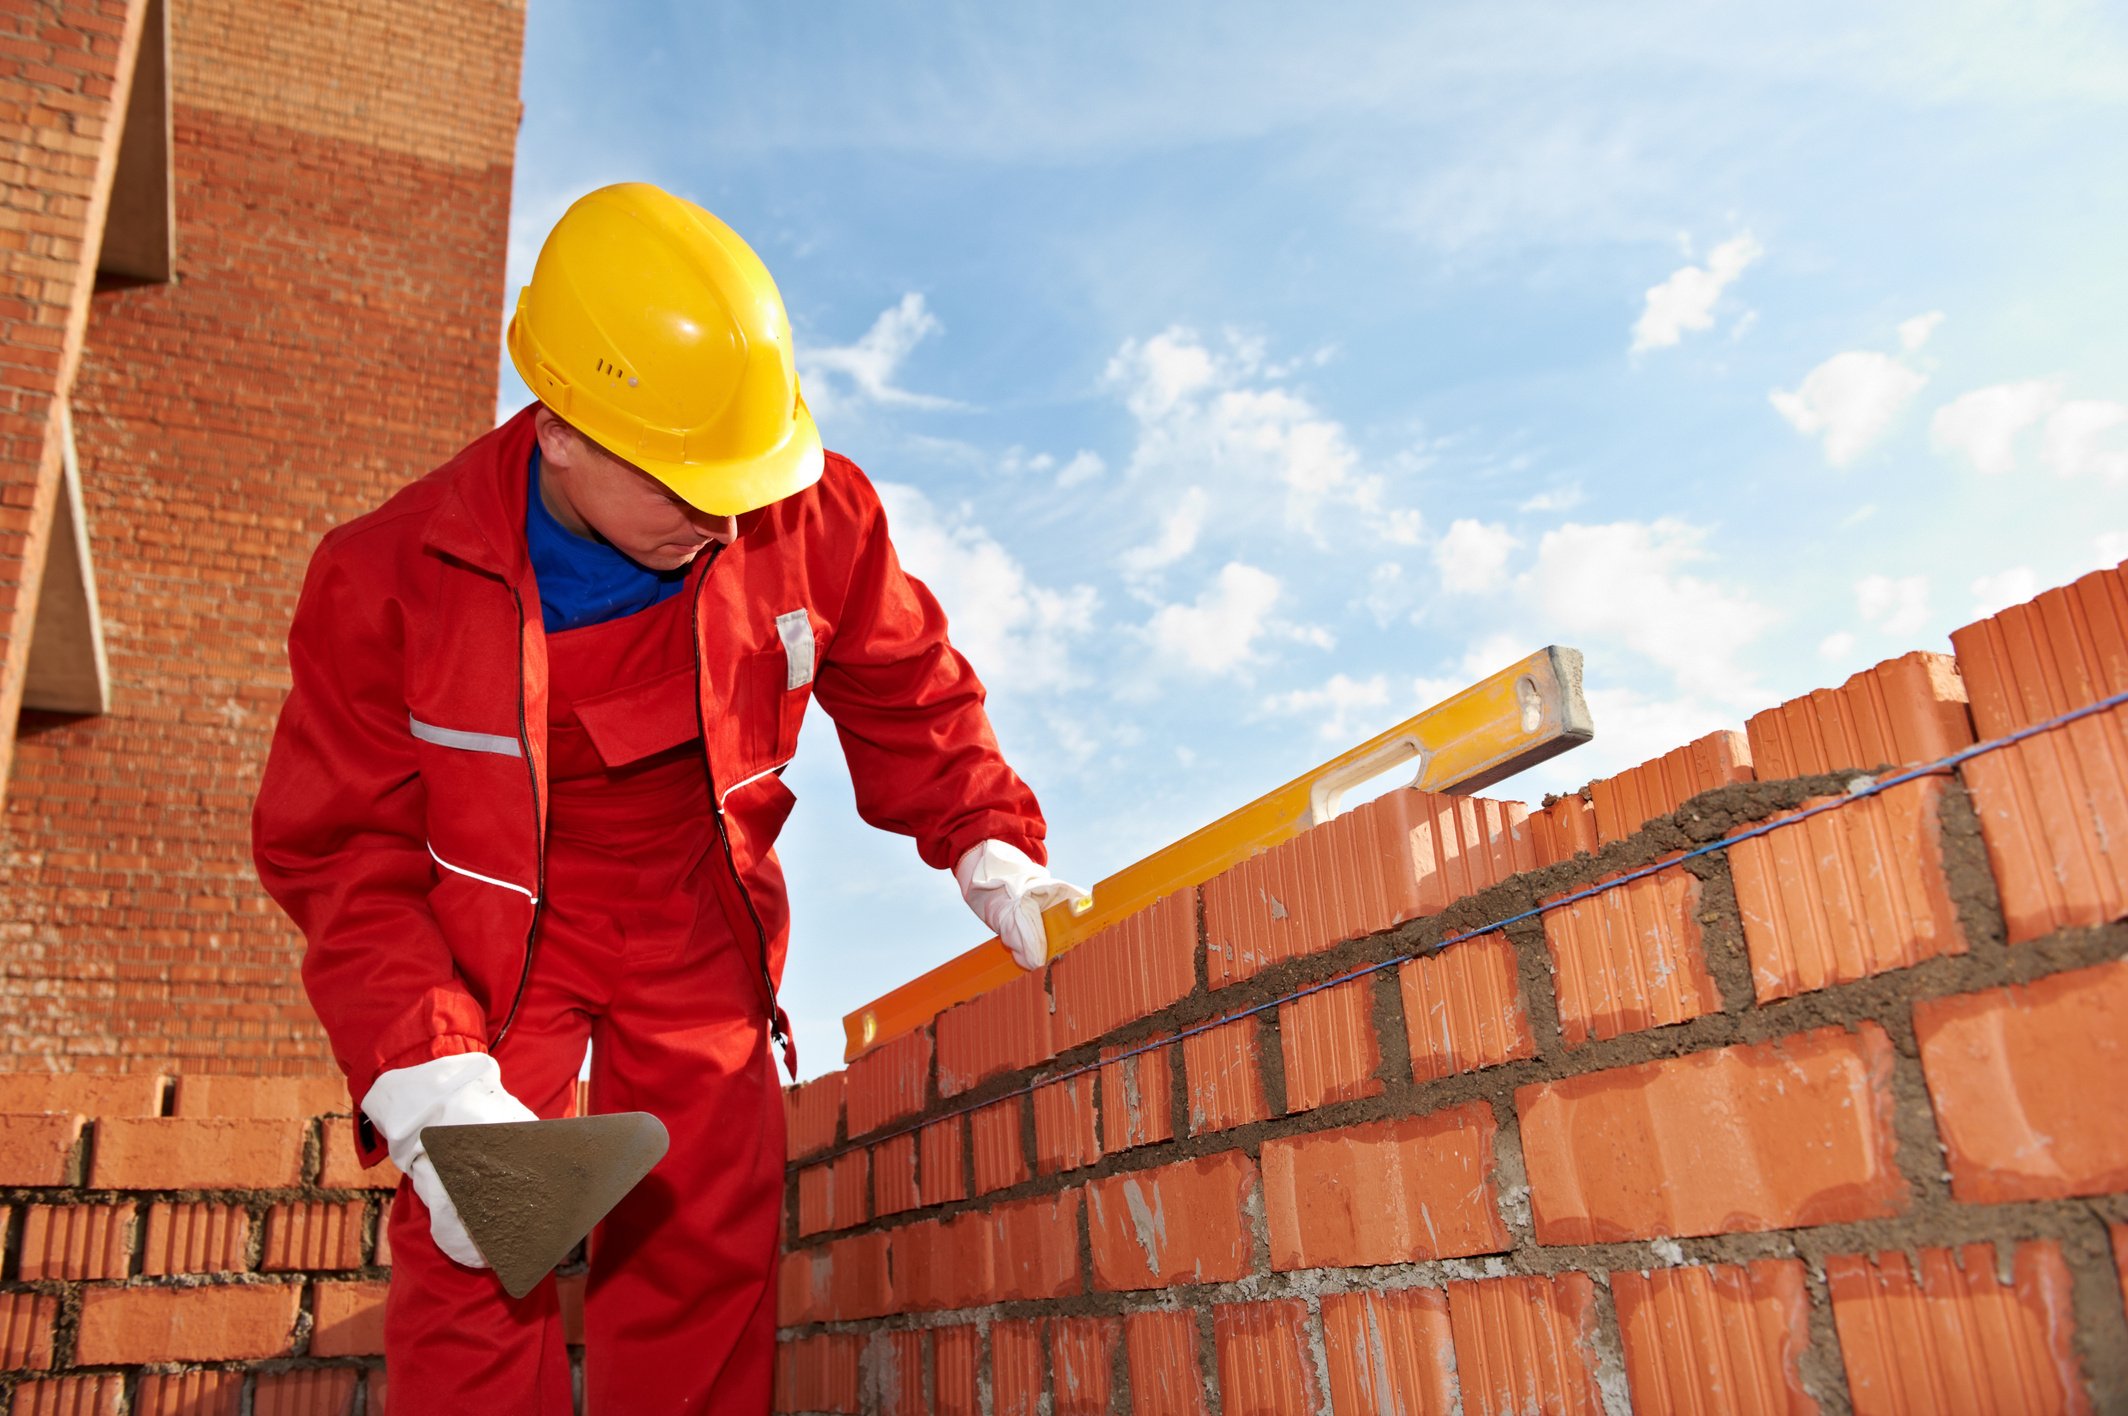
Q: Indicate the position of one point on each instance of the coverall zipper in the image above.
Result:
(539, 845)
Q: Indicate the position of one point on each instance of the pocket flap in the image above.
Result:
(629, 724)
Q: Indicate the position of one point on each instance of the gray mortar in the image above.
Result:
(1931, 1218)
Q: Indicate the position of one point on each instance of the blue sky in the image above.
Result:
(1244, 377)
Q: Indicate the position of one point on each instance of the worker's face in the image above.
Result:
(592, 492)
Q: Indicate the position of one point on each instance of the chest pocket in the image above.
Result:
(641, 720)
(774, 685)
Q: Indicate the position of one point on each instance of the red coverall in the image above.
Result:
(497, 841)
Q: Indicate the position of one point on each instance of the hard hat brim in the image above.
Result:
(730, 488)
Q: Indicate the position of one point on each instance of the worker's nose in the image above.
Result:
(722, 529)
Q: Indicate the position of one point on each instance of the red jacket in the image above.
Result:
(400, 820)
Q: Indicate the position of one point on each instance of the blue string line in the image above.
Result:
(1875, 787)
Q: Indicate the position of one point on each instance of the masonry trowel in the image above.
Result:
(529, 1190)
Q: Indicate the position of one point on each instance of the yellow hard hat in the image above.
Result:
(650, 327)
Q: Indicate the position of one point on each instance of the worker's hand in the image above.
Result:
(465, 1089)
(1008, 892)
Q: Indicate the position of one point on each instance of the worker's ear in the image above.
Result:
(560, 445)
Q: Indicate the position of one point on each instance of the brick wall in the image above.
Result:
(342, 176)
(1831, 1118)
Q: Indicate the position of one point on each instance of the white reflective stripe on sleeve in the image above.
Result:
(476, 875)
(464, 741)
(796, 632)
(748, 781)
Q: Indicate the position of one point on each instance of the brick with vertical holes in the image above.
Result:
(818, 1373)
(1001, 1031)
(1390, 1351)
(816, 1114)
(1264, 1365)
(203, 1393)
(1463, 1008)
(1905, 710)
(1016, 1387)
(890, 1082)
(1633, 798)
(1328, 1042)
(77, 1241)
(957, 1369)
(70, 1396)
(1066, 1132)
(1137, 1097)
(941, 1177)
(1190, 1222)
(1082, 1357)
(1223, 1070)
(996, 1136)
(1166, 1378)
(26, 1321)
(313, 1235)
(1729, 1338)
(1630, 958)
(1130, 970)
(894, 1176)
(195, 1237)
(321, 1391)
(893, 1371)
(1385, 1192)
(1526, 1344)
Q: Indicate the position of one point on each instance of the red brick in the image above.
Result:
(39, 1149)
(831, 1196)
(942, 1263)
(343, 1169)
(2035, 661)
(26, 1321)
(1463, 1009)
(1137, 1097)
(1066, 1135)
(1000, 1145)
(70, 1396)
(205, 1153)
(2030, 1085)
(816, 1114)
(196, 1237)
(860, 1281)
(1385, 1192)
(195, 1393)
(1390, 1351)
(76, 1241)
(1772, 1135)
(1563, 829)
(347, 1317)
(894, 1371)
(1526, 1344)
(1730, 1338)
(894, 1176)
(1904, 711)
(801, 1287)
(2053, 810)
(957, 1368)
(292, 1098)
(1264, 1366)
(890, 1082)
(1166, 1378)
(1016, 1387)
(1223, 1068)
(817, 1373)
(1405, 854)
(1330, 1049)
(314, 1235)
(213, 1323)
(1001, 1031)
(1034, 1248)
(89, 1093)
(1956, 1336)
(1629, 958)
(1128, 971)
(1082, 1359)
(942, 1177)
(1848, 893)
(1633, 798)
(1182, 1223)
(317, 1391)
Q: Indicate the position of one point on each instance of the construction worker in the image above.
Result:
(525, 787)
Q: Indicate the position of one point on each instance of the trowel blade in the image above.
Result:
(529, 1190)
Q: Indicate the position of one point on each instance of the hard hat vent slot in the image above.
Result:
(614, 371)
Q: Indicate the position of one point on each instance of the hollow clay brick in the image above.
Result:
(941, 1263)
(1776, 1135)
(1630, 958)
(1034, 1249)
(1563, 829)
(860, 1280)
(221, 1322)
(941, 1177)
(26, 1321)
(1223, 1068)
(1385, 1192)
(1128, 971)
(2030, 1085)
(38, 1149)
(1190, 1222)
(1726, 1338)
(195, 1237)
(1000, 1145)
(817, 1373)
(2061, 650)
(1907, 710)
(1955, 1337)
(1848, 893)
(893, 1371)
(70, 1396)
(1526, 1344)
(1404, 854)
(88, 1093)
(343, 1168)
(849, 1184)
(2053, 811)
(816, 1114)
(1633, 798)
(801, 1287)
(1264, 1366)
(175, 1153)
(1390, 1350)
(1066, 1135)
(201, 1393)
(1016, 1368)
(1463, 1009)
(291, 1098)
(816, 1201)
(888, 1083)
(1137, 1098)
(1001, 1031)
(1329, 1046)
(1082, 1359)
(957, 1369)
(1161, 1351)
(319, 1391)
(76, 1241)
(894, 1176)
(314, 1235)
(347, 1317)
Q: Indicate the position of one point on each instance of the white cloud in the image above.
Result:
(1686, 300)
(1897, 607)
(1017, 634)
(1852, 398)
(1625, 584)
(1915, 332)
(1984, 425)
(1558, 499)
(2082, 439)
(1350, 708)
(1177, 536)
(1836, 646)
(1084, 467)
(872, 362)
(1217, 633)
(1472, 557)
(1993, 593)
(2112, 547)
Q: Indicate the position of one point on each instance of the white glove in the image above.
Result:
(463, 1089)
(1008, 892)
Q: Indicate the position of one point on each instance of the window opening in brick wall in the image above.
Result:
(140, 231)
(67, 672)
